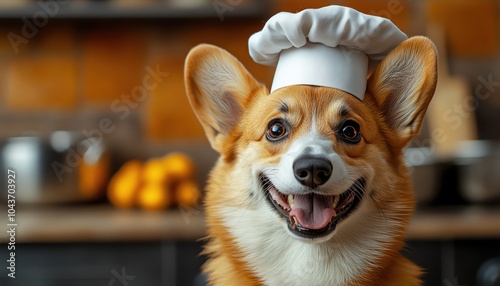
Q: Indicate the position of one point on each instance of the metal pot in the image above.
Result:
(62, 167)
(425, 172)
(479, 170)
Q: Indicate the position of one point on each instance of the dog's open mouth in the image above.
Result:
(314, 215)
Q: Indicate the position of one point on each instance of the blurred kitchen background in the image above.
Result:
(111, 161)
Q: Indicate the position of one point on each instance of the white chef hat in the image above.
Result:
(333, 46)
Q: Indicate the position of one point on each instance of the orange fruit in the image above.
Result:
(154, 197)
(179, 166)
(154, 171)
(187, 194)
(124, 185)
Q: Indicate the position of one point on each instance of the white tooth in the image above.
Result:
(290, 200)
(335, 201)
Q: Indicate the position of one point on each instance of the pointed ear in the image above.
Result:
(217, 86)
(403, 85)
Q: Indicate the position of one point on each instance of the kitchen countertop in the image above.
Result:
(100, 223)
(458, 222)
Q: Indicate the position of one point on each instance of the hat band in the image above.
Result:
(320, 65)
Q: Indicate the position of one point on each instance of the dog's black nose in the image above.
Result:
(312, 171)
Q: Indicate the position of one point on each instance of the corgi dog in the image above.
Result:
(311, 187)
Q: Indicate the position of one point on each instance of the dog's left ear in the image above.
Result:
(217, 86)
(403, 85)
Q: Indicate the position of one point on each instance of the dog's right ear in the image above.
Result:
(217, 86)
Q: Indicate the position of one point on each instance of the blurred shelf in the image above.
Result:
(105, 10)
(460, 222)
(103, 223)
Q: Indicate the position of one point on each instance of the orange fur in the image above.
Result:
(217, 83)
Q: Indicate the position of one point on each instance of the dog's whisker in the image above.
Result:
(372, 197)
(250, 202)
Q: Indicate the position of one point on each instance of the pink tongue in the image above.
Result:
(313, 211)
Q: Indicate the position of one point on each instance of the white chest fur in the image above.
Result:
(280, 259)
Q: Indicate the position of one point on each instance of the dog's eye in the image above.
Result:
(276, 130)
(349, 131)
